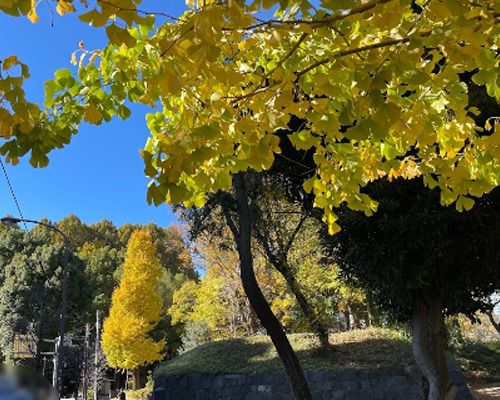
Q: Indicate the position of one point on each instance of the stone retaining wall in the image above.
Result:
(349, 384)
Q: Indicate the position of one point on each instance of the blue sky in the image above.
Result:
(100, 174)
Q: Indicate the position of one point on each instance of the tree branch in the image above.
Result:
(268, 251)
(495, 324)
(135, 10)
(357, 50)
(174, 42)
(294, 234)
(251, 94)
(230, 223)
(287, 56)
(327, 21)
(335, 56)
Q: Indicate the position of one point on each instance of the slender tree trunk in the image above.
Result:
(253, 321)
(139, 376)
(347, 318)
(369, 315)
(136, 374)
(495, 324)
(304, 305)
(429, 338)
(257, 299)
(351, 320)
(279, 260)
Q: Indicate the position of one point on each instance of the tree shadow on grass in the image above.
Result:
(480, 360)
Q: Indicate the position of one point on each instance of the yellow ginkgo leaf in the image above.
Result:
(9, 62)
(64, 7)
(93, 57)
(32, 15)
(92, 115)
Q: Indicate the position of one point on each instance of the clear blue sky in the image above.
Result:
(100, 174)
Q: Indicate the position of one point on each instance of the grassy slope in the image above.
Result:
(368, 348)
(480, 360)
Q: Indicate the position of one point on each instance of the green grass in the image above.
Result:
(368, 348)
(480, 360)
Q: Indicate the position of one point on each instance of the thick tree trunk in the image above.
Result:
(257, 299)
(140, 377)
(429, 338)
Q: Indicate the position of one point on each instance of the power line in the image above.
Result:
(11, 189)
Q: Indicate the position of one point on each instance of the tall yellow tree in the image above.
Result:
(136, 309)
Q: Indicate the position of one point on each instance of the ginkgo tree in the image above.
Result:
(136, 309)
(376, 84)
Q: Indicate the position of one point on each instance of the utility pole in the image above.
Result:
(86, 362)
(96, 356)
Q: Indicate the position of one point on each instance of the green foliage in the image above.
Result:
(413, 247)
(218, 298)
(169, 283)
(170, 246)
(100, 266)
(74, 228)
(30, 278)
(30, 291)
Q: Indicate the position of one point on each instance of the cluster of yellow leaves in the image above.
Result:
(322, 285)
(136, 309)
(22, 123)
(63, 7)
(11, 90)
(375, 101)
(377, 85)
(218, 299)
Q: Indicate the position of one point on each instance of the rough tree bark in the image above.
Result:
(429, 338)
(255, 296)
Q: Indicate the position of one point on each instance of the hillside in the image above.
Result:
(368, 348)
